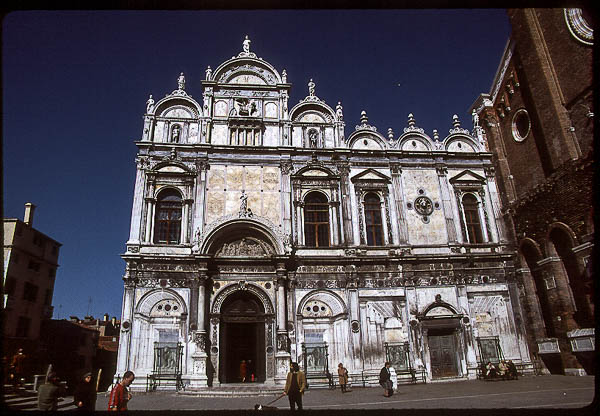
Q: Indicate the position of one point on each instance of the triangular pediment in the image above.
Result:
(371, 175)
(467, 177)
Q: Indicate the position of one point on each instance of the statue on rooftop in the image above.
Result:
(181, 82)
(208, 73)
(149, 104)
(246, 44)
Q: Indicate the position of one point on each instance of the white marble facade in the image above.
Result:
(230, 177)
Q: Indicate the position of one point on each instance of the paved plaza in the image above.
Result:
(527, 393)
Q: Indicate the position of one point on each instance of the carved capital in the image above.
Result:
(395, 169)
(441, 170)
(286, 167)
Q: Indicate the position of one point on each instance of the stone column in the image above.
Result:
(286, 168)
(399, 200)
(354, 307)
(492, 191)
(124, 357)
(202, 167)
(348, 238)
(138, 195)
(442, 172)
(282, 356)
(199, 377)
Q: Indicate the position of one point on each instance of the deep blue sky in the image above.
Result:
(75, 86)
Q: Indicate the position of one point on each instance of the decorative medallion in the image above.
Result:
(423, 205)
(355, 326)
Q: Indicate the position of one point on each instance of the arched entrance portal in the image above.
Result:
(242, 337)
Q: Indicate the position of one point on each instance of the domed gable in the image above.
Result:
(312, 112)
(367, 140)
(178, 107)
(414, 142)
(246, 71)
(459, 139)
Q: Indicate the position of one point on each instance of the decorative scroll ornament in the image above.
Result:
(364, 125)
(412, 125)
(456, 127)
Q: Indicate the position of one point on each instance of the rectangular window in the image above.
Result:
(23, 325)
(48, 297)
(550, 282)
(30, 292)
(33, 265)
(10, 286)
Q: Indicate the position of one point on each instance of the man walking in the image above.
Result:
(295, 386)
(49, 393)
(120, 396)
(85, 394)
(385, 380)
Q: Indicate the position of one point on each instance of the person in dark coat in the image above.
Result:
(385, 380)
(85, 394)
(295, 385)
(18, 368)
(50, 392)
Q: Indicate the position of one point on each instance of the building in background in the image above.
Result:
(264, 231)
(538, 120)
(30, 264)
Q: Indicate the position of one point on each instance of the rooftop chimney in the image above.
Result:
(113, 321)
(105, 317)
(29, 209)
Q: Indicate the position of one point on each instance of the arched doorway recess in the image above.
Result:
(242, 337)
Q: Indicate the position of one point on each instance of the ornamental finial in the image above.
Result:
(390, 134)
(363, 117)
(311, 88)
(181, 82)
(411, 120)
(455, 121)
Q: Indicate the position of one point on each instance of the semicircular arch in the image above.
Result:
(226, 291)
(145, 304)
(331, 299)
(237, 229)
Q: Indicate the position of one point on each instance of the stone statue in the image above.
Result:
(246, 44)
(181, 82)
(311, 88)
(149, 104)
(175, 134)
(243, 203)
(475, 119)
(284, 76)
(312, 137)
(338, 111)
(208, 73)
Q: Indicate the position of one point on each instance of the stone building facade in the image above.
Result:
(267, 232)
(538, 120)
(30, 264)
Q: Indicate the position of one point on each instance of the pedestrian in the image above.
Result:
(512, 370)
(120, 396)
(18, 368)
(85, 394)
(343, 377)
(243, 370)
(385, 380)
(393, 378)
(295, 385)
(49, 393)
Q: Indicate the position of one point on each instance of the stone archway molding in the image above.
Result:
(144, 306)
(221, 295)
(280, 242)
(335, 302)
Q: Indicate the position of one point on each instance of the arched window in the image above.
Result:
(373, 220)
(316, 220)
(472, 220)
(167, 224)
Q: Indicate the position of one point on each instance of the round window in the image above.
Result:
(315, 308)
(167, 308)
(521, 125)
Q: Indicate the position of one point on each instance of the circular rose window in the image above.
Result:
(521, 125)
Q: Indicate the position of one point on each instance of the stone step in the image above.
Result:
(233, 390)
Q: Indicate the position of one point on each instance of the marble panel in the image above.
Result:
(219, 134)
(329, 142)
(215, 205)
(270, 110)
(297, 137)
(271, 136)
(252, 178)
(426, 296)
(193, 134)
(271, 179)
(232, 202)
(254, 201)
(271, 207)
(216, 178)
(221, 108)
(158, 131)
(235, 178)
